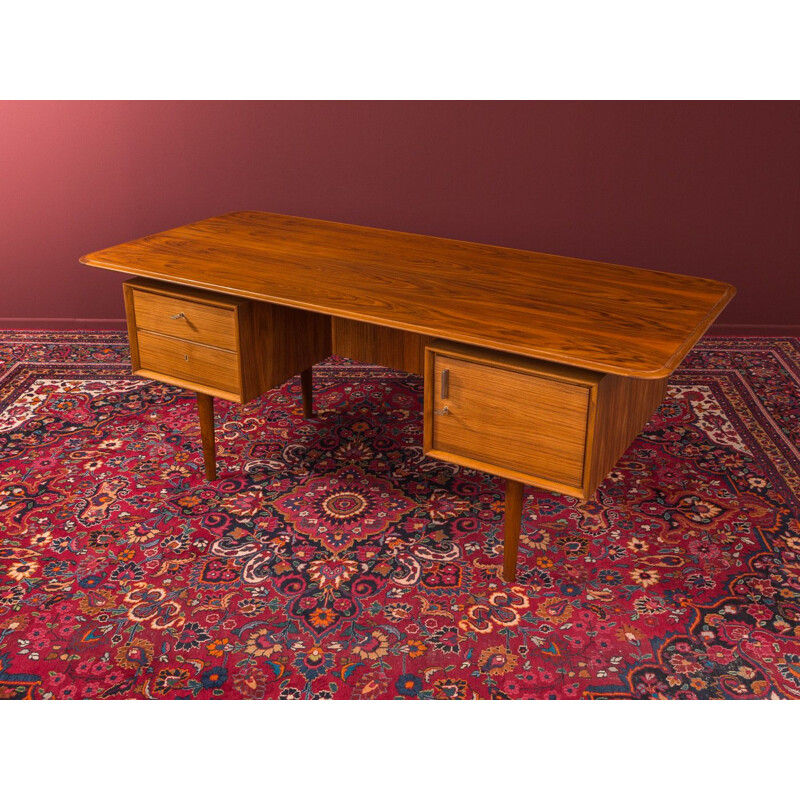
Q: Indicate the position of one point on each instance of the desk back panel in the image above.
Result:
(374, 344)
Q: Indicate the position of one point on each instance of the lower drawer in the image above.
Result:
(196, 363)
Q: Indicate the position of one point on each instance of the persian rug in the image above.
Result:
(333, 560)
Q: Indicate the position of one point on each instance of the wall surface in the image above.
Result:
(703, 188)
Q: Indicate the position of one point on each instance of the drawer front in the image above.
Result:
(512, 420)
(188, 361)
(185, 319)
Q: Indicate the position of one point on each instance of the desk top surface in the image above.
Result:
(603, 317)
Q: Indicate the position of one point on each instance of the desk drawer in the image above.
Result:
(185, 319)
(187, 361)
(219, 345)
(506, 418)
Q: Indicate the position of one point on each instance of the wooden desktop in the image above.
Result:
(537, 368)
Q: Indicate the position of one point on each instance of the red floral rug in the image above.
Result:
(332, 559)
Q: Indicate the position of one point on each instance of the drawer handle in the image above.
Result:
(178, 316)
(445, 383)
(442, 412)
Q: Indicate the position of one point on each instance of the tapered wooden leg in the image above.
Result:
(305, 387)
(205, 408)
(514, 495)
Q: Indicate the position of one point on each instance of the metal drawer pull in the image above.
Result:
(441, 412)
(178, 316)
(445, 383)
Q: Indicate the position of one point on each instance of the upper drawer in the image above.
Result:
(185, 319)
(508, 420)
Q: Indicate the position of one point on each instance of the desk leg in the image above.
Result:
(305, 387)
(205, 408)
(513, 514)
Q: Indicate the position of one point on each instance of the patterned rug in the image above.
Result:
(332, 559)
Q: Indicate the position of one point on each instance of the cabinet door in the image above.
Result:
(507, 421)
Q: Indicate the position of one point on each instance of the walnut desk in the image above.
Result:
(538, 368)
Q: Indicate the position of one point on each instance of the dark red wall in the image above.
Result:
(704, 188)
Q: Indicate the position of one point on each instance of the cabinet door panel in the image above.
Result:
(528, 424)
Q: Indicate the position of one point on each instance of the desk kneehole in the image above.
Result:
(548, 425)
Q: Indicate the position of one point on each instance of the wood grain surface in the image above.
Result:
(185, 319)
(508, 422)
(550, 425)
(375, 344)
(610, 318)
(624, 406)
(198, 363)
(223, 346)
(515, 497)
(276, 343)
(205, 410)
